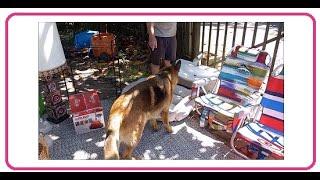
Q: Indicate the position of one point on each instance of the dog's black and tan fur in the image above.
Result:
(132, 110)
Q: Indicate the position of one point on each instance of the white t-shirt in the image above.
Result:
(165, 29)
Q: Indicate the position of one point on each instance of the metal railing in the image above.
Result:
(207, 27)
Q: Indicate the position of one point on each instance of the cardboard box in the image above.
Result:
(87, 112)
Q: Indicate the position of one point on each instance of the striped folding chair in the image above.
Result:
(264, 137)
(242, 80)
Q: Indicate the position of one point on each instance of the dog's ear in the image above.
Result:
(177, 65)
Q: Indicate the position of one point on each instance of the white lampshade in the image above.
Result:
(51, 55)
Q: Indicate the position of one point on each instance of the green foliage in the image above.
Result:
(41, 106)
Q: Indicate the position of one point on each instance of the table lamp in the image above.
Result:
(52, 62)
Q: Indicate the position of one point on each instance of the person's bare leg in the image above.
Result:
(154, 69)
(167, 63)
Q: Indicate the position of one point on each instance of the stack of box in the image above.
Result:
(87, 112)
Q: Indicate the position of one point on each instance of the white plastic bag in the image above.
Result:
(181, 110)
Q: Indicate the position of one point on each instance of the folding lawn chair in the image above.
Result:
(264, 137)
(242, 82)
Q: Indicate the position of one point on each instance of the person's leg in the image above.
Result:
(167, 63)
(156, 55)
(154, 68)
(170, 51)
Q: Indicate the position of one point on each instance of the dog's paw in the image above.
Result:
(169, 129)
(155, 127)
(135, 158)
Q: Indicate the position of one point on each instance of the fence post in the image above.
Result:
(254, 34)
(209, 43)
(265, 36)
(183, 39)
(244, 33)
(195, 39)
(202, 42)
(190, 38)
(234, 34)
(225, 40)
(280, 29)
(217, 41)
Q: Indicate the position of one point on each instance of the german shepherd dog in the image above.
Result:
(132, 110)
(43, 148)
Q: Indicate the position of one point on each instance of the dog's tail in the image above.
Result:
(112, 142)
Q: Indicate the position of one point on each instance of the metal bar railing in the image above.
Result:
(209, 43)
(232, 41)
(254, 34)
(266, 36)
(234, 34)
(217, 41)
(225, 41)
(203, 28)
(244, 33)
(276, 47)
(268, 41)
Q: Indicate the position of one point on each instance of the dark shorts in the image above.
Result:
(166, 50)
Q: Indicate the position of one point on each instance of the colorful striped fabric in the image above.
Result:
(237, 92)
(272, 103)
(233, 75)
(268, 131)
(264, 137)
(243, 89)
(256, 68)
(240, 79)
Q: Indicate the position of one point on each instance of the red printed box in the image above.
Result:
(87, 112)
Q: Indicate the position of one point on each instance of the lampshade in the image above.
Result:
(51, 56)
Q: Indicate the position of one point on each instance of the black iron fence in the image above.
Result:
(229, 37)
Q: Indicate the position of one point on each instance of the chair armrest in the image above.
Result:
(242, 116)
(233, 137)
(256, 111)
(207, 85)
(204, 81)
